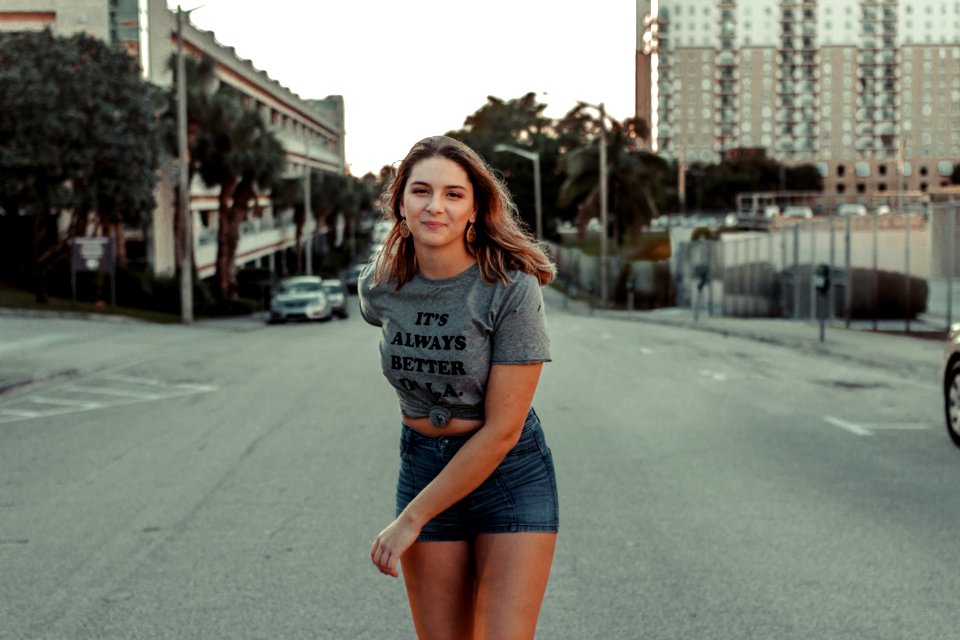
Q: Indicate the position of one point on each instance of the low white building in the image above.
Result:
(311, 131)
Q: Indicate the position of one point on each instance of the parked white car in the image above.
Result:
(951, 383)
(798, 211)
(852, 209)
(299, 298)
(337, 296)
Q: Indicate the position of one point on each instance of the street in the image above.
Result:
(226, 480)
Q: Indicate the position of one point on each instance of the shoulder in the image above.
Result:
(522, 291)
(368, 293)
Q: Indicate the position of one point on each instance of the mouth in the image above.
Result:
(433, 226)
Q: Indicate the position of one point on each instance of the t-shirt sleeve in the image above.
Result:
(368, 309)
(520, 327)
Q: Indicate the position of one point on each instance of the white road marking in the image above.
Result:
(646, 351)
(27, 343)
(120, 393)
(19, 413)
(62, 402)
(713, 375)
(78, 398)
(849, 426)
(867, 429)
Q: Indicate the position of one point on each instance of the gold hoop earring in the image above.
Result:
(471, 235)
(404, 229)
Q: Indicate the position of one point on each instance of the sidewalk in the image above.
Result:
(916, 355)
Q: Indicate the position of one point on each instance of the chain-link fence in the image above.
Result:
(885, 265)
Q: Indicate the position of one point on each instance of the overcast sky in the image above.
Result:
(409, 69)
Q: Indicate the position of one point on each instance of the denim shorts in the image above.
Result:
(520, 495)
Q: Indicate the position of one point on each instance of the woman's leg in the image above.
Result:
(440, 588)
(511, 573)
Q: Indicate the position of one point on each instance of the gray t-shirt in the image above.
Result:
(439, 337)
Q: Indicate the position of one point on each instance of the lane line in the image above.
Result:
(119, 393)
(62, 402)
(26, 343)
(848, 426)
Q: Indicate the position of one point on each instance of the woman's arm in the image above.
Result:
(510, 389)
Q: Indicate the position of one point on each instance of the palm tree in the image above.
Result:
(235, 152)
(634, 176)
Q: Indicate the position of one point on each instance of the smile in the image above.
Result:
(433, 226)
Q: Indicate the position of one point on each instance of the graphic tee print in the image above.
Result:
(439, 337)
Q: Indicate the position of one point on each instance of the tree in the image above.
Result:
(77, 133)
(634, 176)
(519, 122)
(231, 148)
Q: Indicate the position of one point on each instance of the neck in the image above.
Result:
(439, 266)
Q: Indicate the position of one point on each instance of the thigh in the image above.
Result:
(511, 575)
(440, 588)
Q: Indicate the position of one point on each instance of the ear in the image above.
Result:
(473, 218)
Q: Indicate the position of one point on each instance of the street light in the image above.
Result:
(183, 179)
(603, 198)
(537, 202)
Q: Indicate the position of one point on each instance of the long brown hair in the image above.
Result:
(501, 243)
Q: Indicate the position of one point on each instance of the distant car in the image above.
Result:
(951, 384)
(299, 298)
(882, 210)
(798, 211)
(852, 209)
(771, 211)
(337, 296)
(352, 276)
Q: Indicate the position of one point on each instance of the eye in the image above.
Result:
(418, 190)
(455, 194)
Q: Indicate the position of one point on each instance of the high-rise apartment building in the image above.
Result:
(843, 84)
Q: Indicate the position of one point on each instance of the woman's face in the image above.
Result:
(437, 204)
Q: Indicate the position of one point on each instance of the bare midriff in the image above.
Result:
(455, 427)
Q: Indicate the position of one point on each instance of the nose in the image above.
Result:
(436, 203)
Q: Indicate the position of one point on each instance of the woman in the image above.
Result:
(456, 292)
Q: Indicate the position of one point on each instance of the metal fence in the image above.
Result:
(896, 266)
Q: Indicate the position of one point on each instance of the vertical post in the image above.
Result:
(876, 272)
(183, 175)
(796, 272)
(906, 266)
(537, 197)
(307, 207)
(603, 206)
(950, 254)
(682, 180)
(832, 300)
(813, 264)
(847, 272)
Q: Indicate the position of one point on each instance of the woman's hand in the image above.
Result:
(392, 543)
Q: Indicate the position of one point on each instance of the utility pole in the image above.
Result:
(603, 199)
(603, 206)
(533, 156)
(183, 182)
(307, 206)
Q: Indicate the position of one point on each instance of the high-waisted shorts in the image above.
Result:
(520, 495)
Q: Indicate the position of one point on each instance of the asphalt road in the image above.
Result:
(225, 481)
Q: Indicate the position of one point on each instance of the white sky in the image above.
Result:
(412, 68)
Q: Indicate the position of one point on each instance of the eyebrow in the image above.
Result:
(427, 184)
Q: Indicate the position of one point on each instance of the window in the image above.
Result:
(841, 170)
